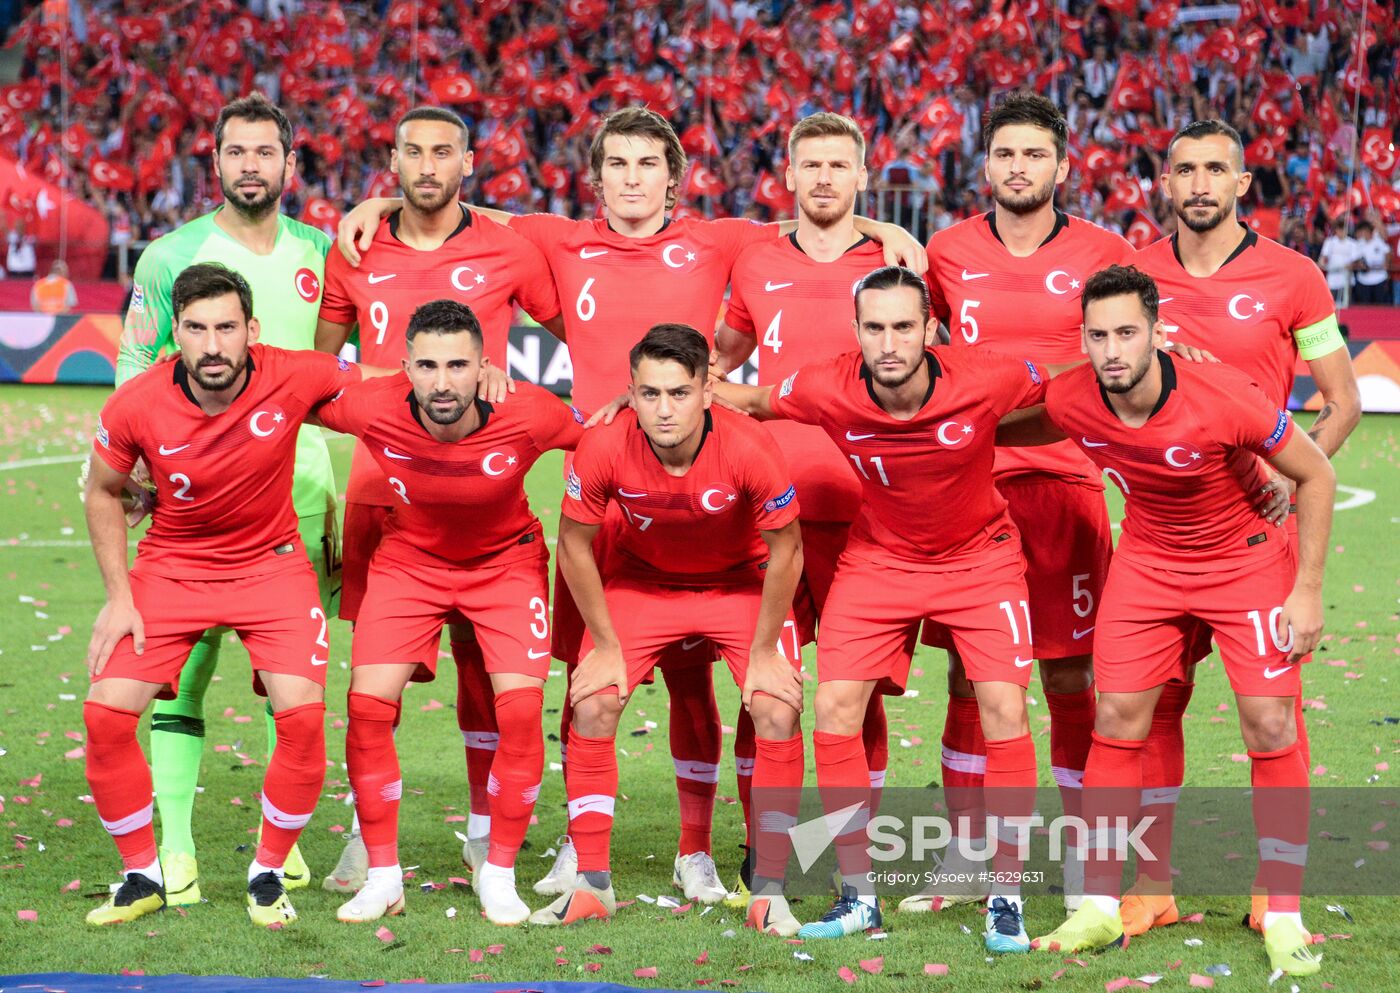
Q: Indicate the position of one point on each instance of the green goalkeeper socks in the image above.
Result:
(177, 745)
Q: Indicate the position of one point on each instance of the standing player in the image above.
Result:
(284, 261)
(795, 293)
(918, 425)
(434, 247)
(218, 431)
(711, 548)
(462, 542)
(1260, 308)
(617, 276)
(1184, 443)
(1009, 281)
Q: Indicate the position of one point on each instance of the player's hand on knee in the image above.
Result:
(774, 675)
(114, 622)
(599, 669)
(606, 414)
(1300, 623)
(495, 383)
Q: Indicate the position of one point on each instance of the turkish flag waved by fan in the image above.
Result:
(22, 96)
(1378, 151)
(1131, 90)
(703, 182)
(1262, 151)
(1143, 231)
(773, 194)
(321, 213)
(456, 88)
(1125, 194)
(554, 178)
(506, 185)
(108, 175)
(1386, 199)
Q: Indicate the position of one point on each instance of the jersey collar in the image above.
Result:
(1061, 222)
(1250, 239)
(934, 371)
(182, 380)
(482, 407)
(465, 223)
(864, 240)
(665, 223)
(1168, 385)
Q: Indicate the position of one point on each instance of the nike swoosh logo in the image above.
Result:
(379, 279)
(1275, 673)
(316, 661)
(1092, 444)
(770, 287)
(584, 253)
(857, 437)
(624, 493)
(1022, 663)
(1166, 300)
(1080, 634)
(534, 654)
(973, 275)
(690, 643)
(395, 455)
(172, 451)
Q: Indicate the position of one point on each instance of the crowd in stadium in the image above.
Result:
(1305, 85)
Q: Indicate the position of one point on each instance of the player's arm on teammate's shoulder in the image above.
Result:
(357, 229)
(1028, 426)
(755, 401)
(1302, 460)
(732, 349)
(768, 671)
(901, 247)
(1341, 399)
(106, 521)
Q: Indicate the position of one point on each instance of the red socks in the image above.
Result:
(844, 779)
(1010, 798)
(591, 783)
(293, 781)
(745, 750)
(120, 781)
(477, 720)
(778, 788)
(1280, 781)
(695, 751)
(1071, 734)
(1112, 791)
(514, 781)
(373, 764)
(964, 767)
(1163, 771)
(875, 737)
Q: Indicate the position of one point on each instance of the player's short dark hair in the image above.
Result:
(1122, 280)
(444, 317)
(440, 114)
(887, 278)
(638, 122)
(205, 281)
(1025, 107)
(1207, 129)
(679, 343)
(254, 107)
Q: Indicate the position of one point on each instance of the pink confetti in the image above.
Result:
(75, 753)
(73, 886)
(1117, 984)
(935, 969)
(64, 822)
(592, 966)
(873, 966)
(73, 735)
(27, 915)
(846, 974)
(1239, 757)
(336, 829)
(702, 958)
(559, 961)
(458, 881)
(432, 705)
(33, 781)
(1382, 766)
(476, 955)
(1193, 918)
(1203, 982)
(384, 935)
(1378, 846)
(646, 972)
(1320, 771)
(242, 719)
(495, 949)
(684, 908)
(599, 950)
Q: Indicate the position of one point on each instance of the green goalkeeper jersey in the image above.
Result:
(286, 287)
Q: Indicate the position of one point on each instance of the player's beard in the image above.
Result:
(1210, 223)
(829, 215)
(893, 381)
(1027, 201)
(1138, 372)
(260, 206)
(430, 200)
(444, 417)
(222, 381)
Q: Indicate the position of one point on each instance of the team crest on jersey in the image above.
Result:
(501, 462)
(467, 278)
(266, 421)
(1280, 426)
(1035, 375)
(578, 415)
(102, 435)
(573, 486)
(1246, 306)
(344, 365)
(778, 503)
(138, 298)
(786, 387)
(717, 498)
(954, 433)
(1182, 458)
(308, 285)
(677, 255)
(1064, 281)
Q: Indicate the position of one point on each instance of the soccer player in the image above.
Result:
(617, 276)
(218, 431)
(1183, 442)
(284, 261)
(461, 542)
(918, 425)
(432, 248)
(711, 548)
(1261, 308)
(790, 300)
(1009, 281)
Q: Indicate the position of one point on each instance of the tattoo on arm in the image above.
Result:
(1328, 409)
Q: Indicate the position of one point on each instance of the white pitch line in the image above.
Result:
(1358, 497)
(46, 460)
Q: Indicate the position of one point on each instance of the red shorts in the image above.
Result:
(649, 619)
(874, 610)
(1150, 617)
(278, 617)
(1067, 541)
(364, 526)
(822, 545)
(506, 602)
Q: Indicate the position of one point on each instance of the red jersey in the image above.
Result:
(1026, 307)
(483, 264)
(614, 288)
(801, 311)
(1255, 313)
(1189, 473)
(223, 482)
(700, 529)
(927, 481)
(459, 502)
